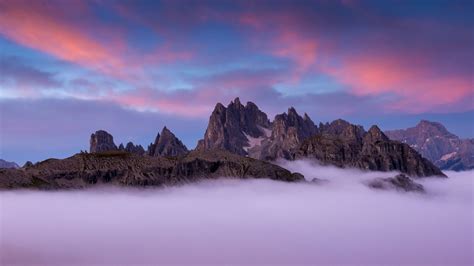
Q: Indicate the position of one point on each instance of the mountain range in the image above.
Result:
(434, 142)
(240, 141)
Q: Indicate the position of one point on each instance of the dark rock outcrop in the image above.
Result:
(372, 151)
(6, 164)
(122, 168)
(234, 127)
(400, 182)
(167, 144)
(102, 141)
(151, 148)
(132, 148)
(434, 142)
(28, 164)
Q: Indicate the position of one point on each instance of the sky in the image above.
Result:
(70, 67)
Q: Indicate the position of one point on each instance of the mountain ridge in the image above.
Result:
(290, 132)
(431, 139)
(240, 141)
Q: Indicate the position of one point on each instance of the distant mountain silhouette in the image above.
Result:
(6, 164)
(436, 143)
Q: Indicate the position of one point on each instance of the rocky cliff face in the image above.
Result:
(6, 164)
(372, 151)
(122, 168)
(102, 141)
(167, 144)
(235, 128)
(288, 131)
(434, 142)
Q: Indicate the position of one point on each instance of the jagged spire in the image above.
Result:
(167, 144)
(237, 101)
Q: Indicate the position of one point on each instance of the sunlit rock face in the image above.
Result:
(434, 142)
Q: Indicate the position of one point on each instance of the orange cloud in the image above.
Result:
(32, 24)
(45, 27)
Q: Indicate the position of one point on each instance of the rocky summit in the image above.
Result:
(127, 169)
(235, 128)
(132, 148)
(101, 141)
(167, 144)
(434, 142)
(288, 131)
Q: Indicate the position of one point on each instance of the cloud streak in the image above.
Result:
(368, 50)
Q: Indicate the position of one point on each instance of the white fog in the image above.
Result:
(244, 222)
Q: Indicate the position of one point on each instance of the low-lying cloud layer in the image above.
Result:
(244, 222)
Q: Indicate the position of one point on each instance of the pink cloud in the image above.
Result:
(418, 87)
(416, 80)
(35, 24)
(44, 26)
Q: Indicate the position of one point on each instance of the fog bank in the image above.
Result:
(244, 222)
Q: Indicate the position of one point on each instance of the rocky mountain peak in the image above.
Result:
(437, 144)
(167, 144)
(336, 127)
(288, 131)
(7, 164)
(343, 129)
(375, 134)
(132, 148)
(166, 132)
(231, 127)
(219, 108)
(101, 141)
(433, 128)
(251, 106)
(236, 102)
(292, 112)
